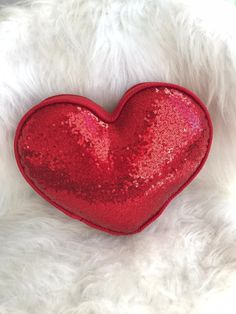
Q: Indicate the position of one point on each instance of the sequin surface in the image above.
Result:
(114, 175)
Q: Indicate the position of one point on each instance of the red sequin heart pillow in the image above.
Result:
(115, 172)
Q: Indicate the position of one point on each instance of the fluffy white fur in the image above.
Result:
(185, 262)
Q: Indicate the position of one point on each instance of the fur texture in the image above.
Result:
(186, 261)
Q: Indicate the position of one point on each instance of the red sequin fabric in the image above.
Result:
(116, 172)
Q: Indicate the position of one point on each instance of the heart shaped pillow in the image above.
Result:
(115, 172)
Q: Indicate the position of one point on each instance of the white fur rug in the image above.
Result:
(185, 262)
